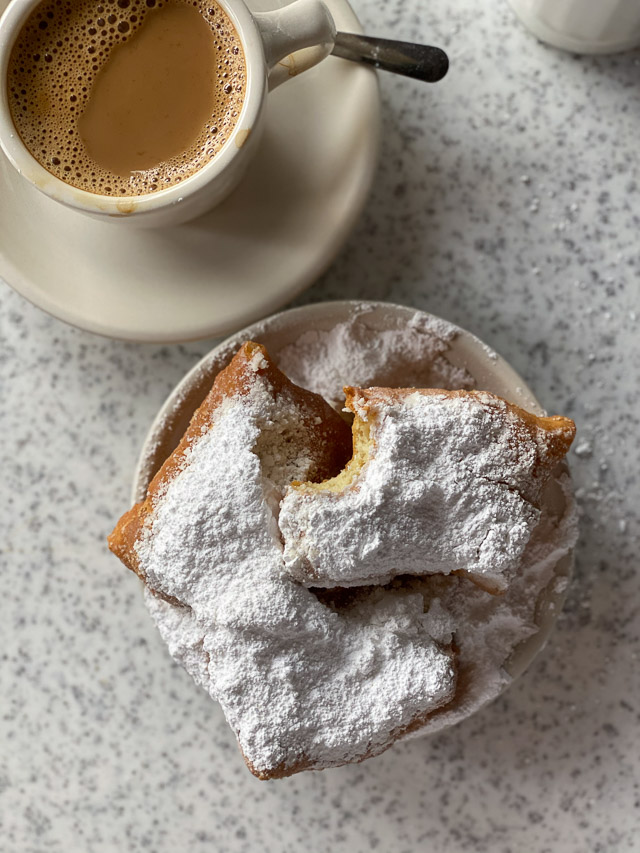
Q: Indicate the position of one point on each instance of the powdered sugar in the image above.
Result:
(492, 632)
(412, 355)
(300, 683)
(447, 487)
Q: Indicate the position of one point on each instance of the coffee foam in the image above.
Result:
(54, 64)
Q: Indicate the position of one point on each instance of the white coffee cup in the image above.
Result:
(583, 26)
(277, 46)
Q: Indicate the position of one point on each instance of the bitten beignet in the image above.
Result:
(439, 482)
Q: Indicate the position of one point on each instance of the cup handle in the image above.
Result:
(287, 31)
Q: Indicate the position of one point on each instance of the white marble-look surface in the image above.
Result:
(507, 201)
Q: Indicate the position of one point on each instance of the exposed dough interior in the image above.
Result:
(362, 449)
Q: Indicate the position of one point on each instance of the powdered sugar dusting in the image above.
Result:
(412, 355)
(300, 683)
(490, 630)
(407, 353)
(447, 487)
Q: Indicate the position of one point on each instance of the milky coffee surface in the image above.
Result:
(126, 97)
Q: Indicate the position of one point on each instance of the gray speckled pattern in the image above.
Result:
(507, 202)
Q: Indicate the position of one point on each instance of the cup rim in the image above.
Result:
(11, 22)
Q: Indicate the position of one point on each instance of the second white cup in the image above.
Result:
(582, 26)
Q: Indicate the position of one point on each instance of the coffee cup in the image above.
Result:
(582, 26)
(274, 46)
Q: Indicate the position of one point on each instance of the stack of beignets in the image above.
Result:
(259, 502)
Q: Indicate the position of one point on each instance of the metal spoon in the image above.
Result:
(419, 61)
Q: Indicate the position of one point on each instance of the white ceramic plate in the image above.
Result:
(488, 369)
(272, 238)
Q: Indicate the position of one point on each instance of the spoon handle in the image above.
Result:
(419, 61)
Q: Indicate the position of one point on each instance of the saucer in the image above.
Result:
(272, 238)
(488, 371)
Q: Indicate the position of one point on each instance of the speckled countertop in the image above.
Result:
(507, 201)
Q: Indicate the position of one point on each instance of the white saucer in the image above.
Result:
(487, 368)
(272, 238)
